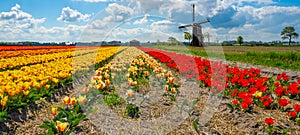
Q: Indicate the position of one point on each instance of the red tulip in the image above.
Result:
(297, 107)
(292, 114)
(283, 102)
(269, 121)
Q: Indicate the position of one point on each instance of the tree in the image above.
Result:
(173, 41)
(188, 36)
(240, 40)
(289, 33)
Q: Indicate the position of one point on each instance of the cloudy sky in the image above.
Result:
(144, 20)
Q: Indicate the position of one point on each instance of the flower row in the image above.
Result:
(13, 62)
(18, 53)
(15, 48)
(247, 87)
(17, 86)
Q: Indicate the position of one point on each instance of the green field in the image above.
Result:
(280, 57)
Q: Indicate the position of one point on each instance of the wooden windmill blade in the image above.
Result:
(185, 26)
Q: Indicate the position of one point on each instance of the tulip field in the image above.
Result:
(140, 90)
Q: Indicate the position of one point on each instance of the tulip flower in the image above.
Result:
(66, 100)
(173, 90)
(26, 92)
(107, 82)
(166, 87)
(101, 85)
(235, 102)
(257, 94)
(82, 99)
(129, 93)
(283, 102)
(269, 121)
(134, 83)
(169, 74)
(54, 111)
(73, 101)
(47, 86)
(292, 114)
(85, 90)
(297, 107)
(61, 126)
(134, 74)
(170, 79)
(4, 100)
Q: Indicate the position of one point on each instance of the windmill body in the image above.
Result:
(197, 30)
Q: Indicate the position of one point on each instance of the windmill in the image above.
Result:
(197, 30)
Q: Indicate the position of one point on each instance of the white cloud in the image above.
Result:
(71, 15)
(163, 25)
(118, 12)
(17, 20)
(143, 20)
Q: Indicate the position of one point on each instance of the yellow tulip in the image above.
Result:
(61, 126)
(4, 100)
(73, 101)
(257, 94)
(54, 111)
(66, 100)
(26, 92)
(82, 99)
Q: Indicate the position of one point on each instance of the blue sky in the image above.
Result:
(97, 20)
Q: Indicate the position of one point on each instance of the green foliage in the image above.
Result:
(113, 100)
(188, 36)
(70, 115)
(3, 116)
(289, 33)
(240, 40)
(132, 110)
(195, 124)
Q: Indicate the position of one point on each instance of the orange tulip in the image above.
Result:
(169, 74)
(146, 73)
(107, 82)
(85, 90)
(61, 126)
(129, 93)
(134, 74)
(66, 100)
(173, 90)
(102, 85)
(54, 111)
(130, 81)
(170, 79)
(167, 87)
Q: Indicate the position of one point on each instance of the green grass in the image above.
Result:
(285, 59)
